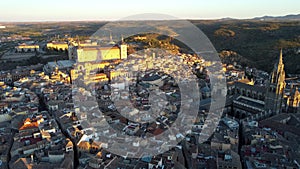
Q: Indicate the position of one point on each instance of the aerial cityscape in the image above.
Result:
(221, 91)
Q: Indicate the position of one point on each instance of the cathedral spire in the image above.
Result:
(280, 57)
(280, 66)
(275, 88)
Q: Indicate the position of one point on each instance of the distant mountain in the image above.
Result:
(227, 19)
(281, 18)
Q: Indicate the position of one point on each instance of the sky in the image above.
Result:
(76, 10)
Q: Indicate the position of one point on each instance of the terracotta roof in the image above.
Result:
(84, 145)
(28, 125)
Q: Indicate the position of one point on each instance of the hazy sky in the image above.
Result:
(57, 10)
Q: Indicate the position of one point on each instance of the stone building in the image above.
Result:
(91, 52)
(27, 48)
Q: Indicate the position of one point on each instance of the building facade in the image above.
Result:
(57, 46)
(27, 48)
(91, 52)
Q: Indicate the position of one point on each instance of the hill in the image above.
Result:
(280, 18)
(258, 42)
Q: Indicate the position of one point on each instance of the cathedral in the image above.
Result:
(247, 101)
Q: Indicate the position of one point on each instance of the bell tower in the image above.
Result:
(275, 88)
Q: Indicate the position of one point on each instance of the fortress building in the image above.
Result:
(91, 52)
(90, 57)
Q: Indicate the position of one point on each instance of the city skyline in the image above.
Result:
(33, 10)
(149, 94)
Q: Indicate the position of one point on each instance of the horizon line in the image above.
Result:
(112, 20)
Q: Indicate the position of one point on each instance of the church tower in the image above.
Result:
(275, 88)
(293, 101)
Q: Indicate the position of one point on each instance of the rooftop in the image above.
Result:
(252, 102)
